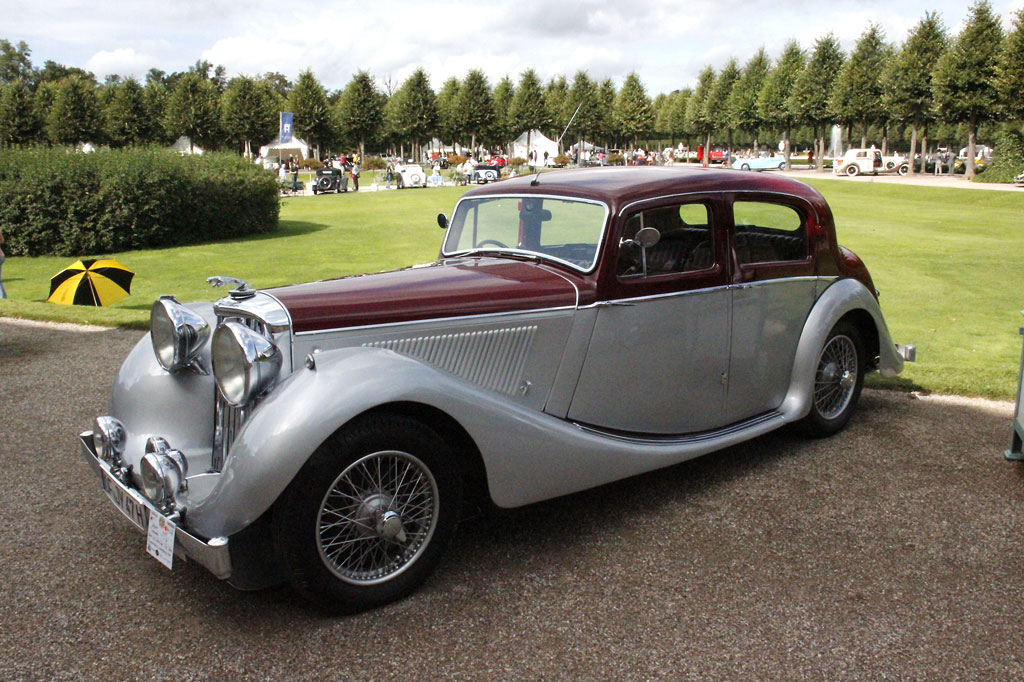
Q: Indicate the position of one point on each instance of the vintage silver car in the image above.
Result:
(578, 327)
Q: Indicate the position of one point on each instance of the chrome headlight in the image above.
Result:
(163, 472)
(178, 333)
(108, 437)
(245, 362)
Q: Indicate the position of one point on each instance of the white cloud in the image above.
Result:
(123, 61)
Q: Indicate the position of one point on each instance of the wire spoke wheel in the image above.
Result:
(836, 376)
(377, 517)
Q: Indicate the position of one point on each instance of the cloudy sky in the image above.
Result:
(667, 42)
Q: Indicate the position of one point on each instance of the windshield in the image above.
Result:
(565, 230)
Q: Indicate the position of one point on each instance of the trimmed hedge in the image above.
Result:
(59, 202)
(1007, 157)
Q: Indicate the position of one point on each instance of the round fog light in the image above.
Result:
(108, 437)
(163, 475)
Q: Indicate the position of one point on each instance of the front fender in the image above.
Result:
(299, 415)
(842, 297)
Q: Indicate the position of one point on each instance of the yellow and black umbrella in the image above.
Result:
(91, 282)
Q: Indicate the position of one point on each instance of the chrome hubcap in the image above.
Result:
(377, 517)
(836, 376)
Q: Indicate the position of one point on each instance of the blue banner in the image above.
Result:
(286, 126)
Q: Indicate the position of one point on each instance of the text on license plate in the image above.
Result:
(125, 501)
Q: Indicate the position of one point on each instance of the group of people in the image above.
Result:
(349, 167)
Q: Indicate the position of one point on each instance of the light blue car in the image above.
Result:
(760, 163)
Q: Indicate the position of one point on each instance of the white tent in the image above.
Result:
(279, 150)
(183, 145)
(539, 143)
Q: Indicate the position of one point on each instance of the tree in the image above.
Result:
(18, 121)
(742, 108)
(716, 110)
(278, 83)
(250, 113)
(528, 112)
(859, 89)
(15, 63)
(1011, 69)
(74, 115)
(126, 119)
(475, 106)
(696, 120)
(633, 110)
(193, 111)
(155, 96)
(312, 121)
(448, 111)
(360, 110)
(605, 119)
(412, 112)
(583, 101)
(965, 82)
(501, 131)
(556, 104)
(810, 98)
(773, 101)
(677, 116)
(54, 72)
(909, 86)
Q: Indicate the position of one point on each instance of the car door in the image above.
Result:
(773, 289)
(659, 352)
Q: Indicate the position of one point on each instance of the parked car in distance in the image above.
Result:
(856, 161)
(328, 179)
(759, 163)
(410, 175)
(578, 327)
(484, 174)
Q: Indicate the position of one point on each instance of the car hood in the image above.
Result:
(447, 288)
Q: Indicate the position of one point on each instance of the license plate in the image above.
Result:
(128, 501)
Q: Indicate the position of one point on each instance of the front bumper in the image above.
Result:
(213, 554)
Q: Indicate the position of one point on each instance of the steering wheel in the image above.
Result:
(494, 242)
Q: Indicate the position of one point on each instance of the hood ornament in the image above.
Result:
(241, 292)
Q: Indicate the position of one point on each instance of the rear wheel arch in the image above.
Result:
(865, 324)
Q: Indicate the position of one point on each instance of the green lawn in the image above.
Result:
(947, 261)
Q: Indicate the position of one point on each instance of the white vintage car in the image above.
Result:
(856, 161)
(578, 327)
(410, 175)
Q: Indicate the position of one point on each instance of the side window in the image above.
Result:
(768, 233)
(685, 246)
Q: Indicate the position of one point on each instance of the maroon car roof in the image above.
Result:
(620, 185)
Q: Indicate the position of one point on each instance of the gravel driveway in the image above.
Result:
(891, 551)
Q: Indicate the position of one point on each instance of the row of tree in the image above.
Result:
(931, 80)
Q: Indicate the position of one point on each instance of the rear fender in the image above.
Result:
(841, 298)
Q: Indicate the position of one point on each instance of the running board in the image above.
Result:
(686, 439)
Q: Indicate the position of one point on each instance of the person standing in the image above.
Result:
(3, 292)
(355, 174)
(389, 175)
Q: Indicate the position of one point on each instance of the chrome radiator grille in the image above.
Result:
(229, 420)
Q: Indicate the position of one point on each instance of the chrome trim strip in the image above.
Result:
(687, 439)
(742, 285)
(556, 272)
(271, 312)
(540, 255)
(213, 554)
(430, 320)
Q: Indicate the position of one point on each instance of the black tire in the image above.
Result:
(323, 183)
(852, 170)
(838, 379)
(782, 166)
(745, 166)
(347, 540)
(904, 169)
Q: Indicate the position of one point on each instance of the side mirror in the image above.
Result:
(645, 238)
(648, 237)
(442, 221)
